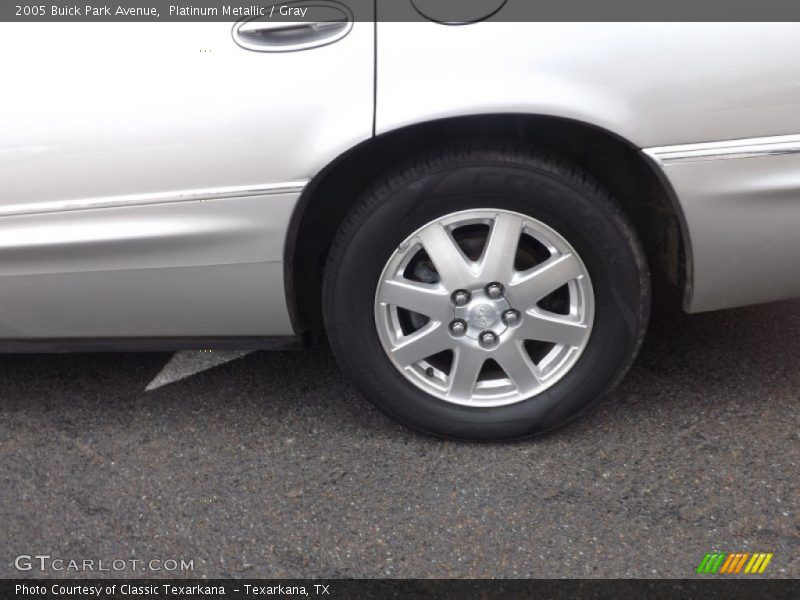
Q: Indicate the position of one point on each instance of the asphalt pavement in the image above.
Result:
(272, 465)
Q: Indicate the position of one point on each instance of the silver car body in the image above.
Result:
(149, 172)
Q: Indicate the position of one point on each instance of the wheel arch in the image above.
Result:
(631, 176)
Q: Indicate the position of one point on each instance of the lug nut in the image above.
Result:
(494, 290)
(511, 317)
(461, 297)
(458, 327)
(487, 339)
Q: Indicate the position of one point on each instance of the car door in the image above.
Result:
(148, 171)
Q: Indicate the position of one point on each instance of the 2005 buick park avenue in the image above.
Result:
(470, 213)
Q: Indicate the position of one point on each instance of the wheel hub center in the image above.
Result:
(483, 314)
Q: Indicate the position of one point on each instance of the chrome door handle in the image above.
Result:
(264, 35)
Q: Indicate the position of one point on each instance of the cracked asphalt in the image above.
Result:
(273, 466)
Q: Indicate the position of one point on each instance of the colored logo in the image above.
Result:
(732, 563)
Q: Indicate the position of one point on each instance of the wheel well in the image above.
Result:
(619, 165)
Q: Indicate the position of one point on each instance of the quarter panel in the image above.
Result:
(743, 216)
(650, 83)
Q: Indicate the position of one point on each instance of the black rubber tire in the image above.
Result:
(487, 175)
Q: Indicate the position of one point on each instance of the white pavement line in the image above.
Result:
(191, 362)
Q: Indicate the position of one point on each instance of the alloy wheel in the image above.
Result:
(484, 307)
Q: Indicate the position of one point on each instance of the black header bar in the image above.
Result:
(453, 12)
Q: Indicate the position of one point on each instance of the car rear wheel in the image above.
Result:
(486, 291)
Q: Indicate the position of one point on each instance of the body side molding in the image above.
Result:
(34, 208)
(725, 150)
